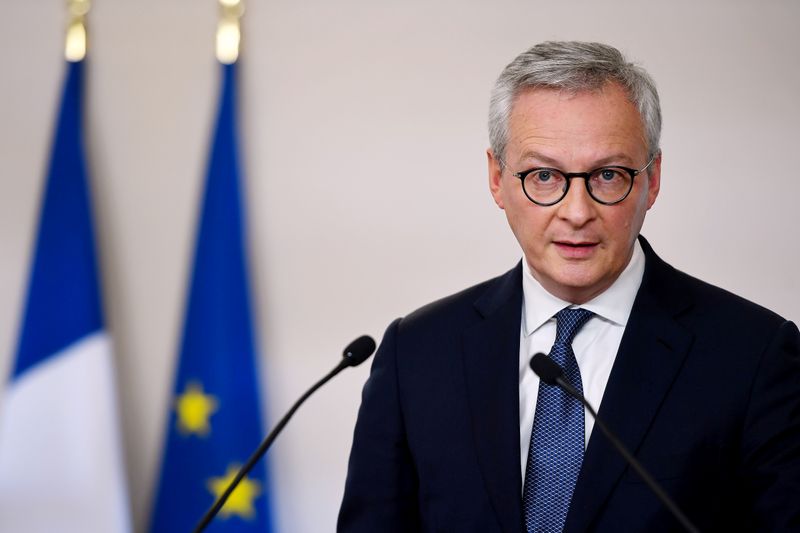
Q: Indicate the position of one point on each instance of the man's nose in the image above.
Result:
(577, 207)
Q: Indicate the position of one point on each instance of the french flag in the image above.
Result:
(61, 465)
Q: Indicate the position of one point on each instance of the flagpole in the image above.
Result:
(76, 38)
(229, 34)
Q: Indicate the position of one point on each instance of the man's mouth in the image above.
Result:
(580, 244)
(576, 249)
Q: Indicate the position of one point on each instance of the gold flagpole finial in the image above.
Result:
(75, 46)
(228, 32)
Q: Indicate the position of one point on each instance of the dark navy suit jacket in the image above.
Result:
(705, 390)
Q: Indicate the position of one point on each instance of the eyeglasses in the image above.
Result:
(606, 185)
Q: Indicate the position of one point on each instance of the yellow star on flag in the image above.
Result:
(194, 408)
(241, 499)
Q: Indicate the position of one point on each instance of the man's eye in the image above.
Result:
(608, 174)
(544, 175)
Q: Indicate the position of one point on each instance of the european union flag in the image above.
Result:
(215, 419)
(60, 453)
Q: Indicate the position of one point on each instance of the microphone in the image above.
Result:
(356, 353)
(551, 373)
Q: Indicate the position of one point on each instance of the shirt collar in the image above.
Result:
(613, 304)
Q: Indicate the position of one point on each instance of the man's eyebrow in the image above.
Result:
(526, 156)
(614, 159)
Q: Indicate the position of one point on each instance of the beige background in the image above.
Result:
(363, 127)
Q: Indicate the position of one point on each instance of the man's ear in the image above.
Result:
(653, 180)
(495, 178)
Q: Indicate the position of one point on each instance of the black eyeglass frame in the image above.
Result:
(585, 175)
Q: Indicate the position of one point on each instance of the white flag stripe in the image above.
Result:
(61, 468)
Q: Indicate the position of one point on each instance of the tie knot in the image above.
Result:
(569, 322)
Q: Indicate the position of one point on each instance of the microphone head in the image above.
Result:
(359, 350)
(547, 369)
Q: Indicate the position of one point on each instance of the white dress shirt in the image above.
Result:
(595, 345)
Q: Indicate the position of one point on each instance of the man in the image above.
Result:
(456, 433)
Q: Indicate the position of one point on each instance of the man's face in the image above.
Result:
(577, 247)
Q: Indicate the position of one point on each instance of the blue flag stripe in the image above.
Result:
(63, 301)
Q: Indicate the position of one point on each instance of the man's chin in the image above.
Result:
(576, 283)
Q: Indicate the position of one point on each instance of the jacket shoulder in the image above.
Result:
(679, 290)
(466, 306)
(709, 298)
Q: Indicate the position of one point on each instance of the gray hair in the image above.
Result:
(572, 66)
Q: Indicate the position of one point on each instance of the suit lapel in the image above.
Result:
(491, 361)
(650, 356)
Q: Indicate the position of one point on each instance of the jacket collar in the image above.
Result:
(650, 356)
(491, 360)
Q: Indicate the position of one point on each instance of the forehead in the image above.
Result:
(575, 125)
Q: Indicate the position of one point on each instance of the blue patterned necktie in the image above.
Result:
(557, 440)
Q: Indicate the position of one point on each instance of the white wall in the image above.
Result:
(363, 127)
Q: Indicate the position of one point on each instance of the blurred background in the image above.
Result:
(363, 137)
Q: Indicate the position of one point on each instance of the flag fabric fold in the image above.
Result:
(215, 413)
(61, 462)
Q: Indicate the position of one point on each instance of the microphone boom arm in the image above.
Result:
(355, 353)
(648, 479)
